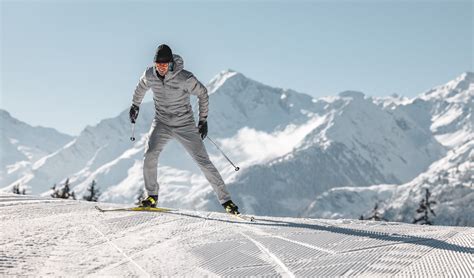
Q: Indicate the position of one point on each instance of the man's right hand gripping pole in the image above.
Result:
(133, 114)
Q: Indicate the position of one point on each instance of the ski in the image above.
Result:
(169, 210)
(135, 209)
(244, 217)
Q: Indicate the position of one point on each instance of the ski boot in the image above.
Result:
(149, 202)
(231, 208)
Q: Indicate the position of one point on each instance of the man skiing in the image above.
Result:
(172, 86)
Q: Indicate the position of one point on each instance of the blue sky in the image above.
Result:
(68, 64)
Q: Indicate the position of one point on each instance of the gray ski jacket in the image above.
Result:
(172, 95)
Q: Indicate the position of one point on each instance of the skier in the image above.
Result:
(172, 86)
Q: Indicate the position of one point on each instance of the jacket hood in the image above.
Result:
(178, 63)
(178, 66)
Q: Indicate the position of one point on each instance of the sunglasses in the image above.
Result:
(170, 65)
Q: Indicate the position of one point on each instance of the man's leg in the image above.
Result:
(158, 137)
(191, 140)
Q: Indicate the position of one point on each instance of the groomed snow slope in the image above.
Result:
(53, 237)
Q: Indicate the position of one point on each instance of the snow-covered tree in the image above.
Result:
(53, 191)
(17, 190)
(376, 215)
(94, 192)
(63, 192)
(425, 209)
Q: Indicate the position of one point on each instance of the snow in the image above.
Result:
(333, 203)
(446, 118)
(220, 79)
(460, 89)
(391, 102)
(449, 179)
(392, 142)
(21, 145)
(53, 237)
(456, 138)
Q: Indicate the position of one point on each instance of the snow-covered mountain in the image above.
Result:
(21, 145)
(450, 181)
(292, 149)
(379, 139)
(358, 144)
(237, 101)
(447, 111)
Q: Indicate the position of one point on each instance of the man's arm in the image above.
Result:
(198, 89)
(140, 90)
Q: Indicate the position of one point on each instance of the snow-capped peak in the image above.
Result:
(462, 82)
(458, 90)
(218, 80)
(468, 75)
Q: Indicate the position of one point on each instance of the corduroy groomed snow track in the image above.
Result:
(52, 237)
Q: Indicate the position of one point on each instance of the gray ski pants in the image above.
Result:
(190, 138)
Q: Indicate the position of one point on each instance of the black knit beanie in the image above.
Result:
(163, 54)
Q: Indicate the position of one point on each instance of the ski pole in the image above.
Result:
(132, 138)
(235, 167)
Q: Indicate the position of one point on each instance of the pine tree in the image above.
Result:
(16, 190)
(94, 193)
(64, 192)
(375, 215)
(54, 194)
(425, 209)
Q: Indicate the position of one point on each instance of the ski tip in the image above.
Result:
(99, 209)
